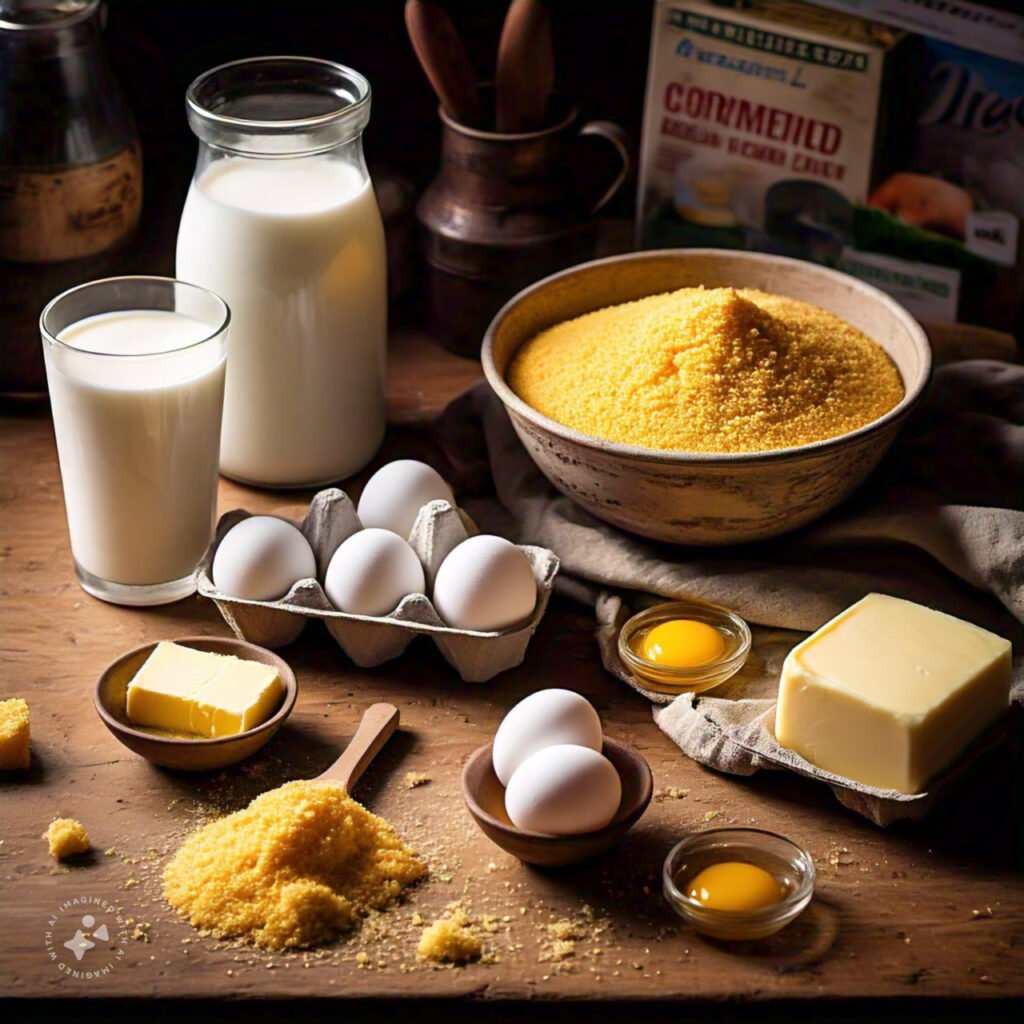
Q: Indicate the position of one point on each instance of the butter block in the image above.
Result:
(889, 692)
(242, 695)
(14, 735)
(160, 695)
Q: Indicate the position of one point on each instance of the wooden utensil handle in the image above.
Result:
(526, 68)
(443, 58)
(620, 140)
(377, 726)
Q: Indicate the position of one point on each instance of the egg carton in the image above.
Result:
(372, 640)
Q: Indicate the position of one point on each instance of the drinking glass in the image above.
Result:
(135, 367)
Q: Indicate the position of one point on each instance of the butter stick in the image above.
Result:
(889, 692)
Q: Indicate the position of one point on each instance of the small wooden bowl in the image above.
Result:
(181, 753)
(484, 796)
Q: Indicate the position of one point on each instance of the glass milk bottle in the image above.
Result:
(281, 220)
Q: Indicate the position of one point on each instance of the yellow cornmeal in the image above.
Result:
(707, 370)
(298, 865)
(450, 940)
(67, 838)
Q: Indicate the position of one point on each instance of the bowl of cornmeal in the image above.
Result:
(704, 396)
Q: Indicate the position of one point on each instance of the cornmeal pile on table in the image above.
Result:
(451, 939)
(707, 370)
(300, 864)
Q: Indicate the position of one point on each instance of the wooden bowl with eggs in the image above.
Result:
(484, 797)
(698, 497)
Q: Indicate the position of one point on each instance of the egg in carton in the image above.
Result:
(372, 640)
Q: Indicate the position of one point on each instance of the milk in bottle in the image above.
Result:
(281, 221)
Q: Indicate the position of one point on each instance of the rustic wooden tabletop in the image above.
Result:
(934, 911)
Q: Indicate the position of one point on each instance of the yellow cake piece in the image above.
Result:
(14, 734)
(242, 695)
(66, 837)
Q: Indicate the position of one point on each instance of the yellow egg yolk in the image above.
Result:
(733, 885)
(682, 643)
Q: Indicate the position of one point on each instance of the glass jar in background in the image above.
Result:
(70, 170)
(281, 220)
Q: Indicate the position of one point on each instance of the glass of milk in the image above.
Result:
(135, 367)
(282, 221)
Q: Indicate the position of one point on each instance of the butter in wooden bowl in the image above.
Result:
(198, 704)
(183, 690)
(890, 693)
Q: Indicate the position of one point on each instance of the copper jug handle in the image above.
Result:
(620, 140)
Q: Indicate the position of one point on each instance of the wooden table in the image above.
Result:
(931, 911)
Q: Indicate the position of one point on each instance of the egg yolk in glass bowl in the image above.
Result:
(734, 885)
(682, 643)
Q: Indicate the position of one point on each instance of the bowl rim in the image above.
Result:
(626, 822)
(116, 726)
(690, 908)
(514, 404)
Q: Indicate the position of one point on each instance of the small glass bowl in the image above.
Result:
(788, 863)
(664, 678)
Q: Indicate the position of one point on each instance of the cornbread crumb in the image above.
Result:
(671, 793)
(414, 779)
(66, 837)
(14, 735)
(298, 865)
(451, 939)
(707, 370)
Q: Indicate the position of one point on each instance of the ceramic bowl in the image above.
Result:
(694, 497)
(484, 796)
(183, 753)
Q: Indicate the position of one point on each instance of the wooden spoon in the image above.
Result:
(376, 728)
(526, 67)
(443, 59)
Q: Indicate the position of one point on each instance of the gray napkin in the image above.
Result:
(940, 522)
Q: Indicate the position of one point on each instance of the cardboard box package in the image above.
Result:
(786, 128)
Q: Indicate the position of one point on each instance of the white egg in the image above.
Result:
(371, 572)
(394, 495)
(261, 558)
(564, 791)
(544, 719)
(486, 584)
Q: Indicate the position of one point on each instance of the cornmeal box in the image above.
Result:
(760, 125)
(783, 127)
